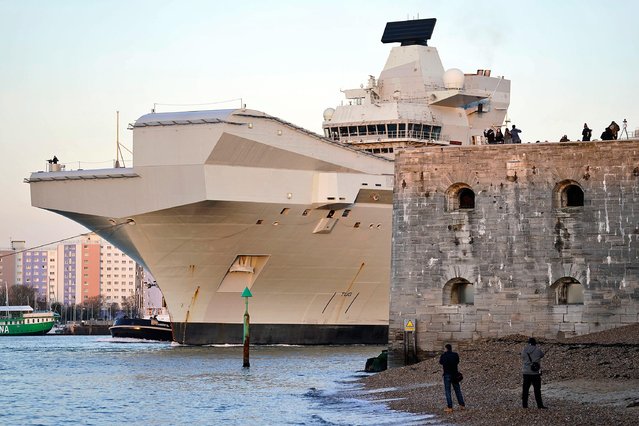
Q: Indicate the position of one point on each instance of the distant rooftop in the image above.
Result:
(408, 33)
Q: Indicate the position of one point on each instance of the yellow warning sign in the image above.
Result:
(409, 325)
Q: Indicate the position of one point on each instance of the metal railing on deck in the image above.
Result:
(81, 165)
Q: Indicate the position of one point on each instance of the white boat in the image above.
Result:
(217, 201)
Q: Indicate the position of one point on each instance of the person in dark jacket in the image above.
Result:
(586, 133)
(490, 135)
(450, 360)
(499, 136)
(607, 135)
(532, 354)
(514, 133)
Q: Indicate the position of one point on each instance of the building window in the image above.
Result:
(568, 193)
(573, 196)
(460, 196)
(466, 199)
(458, 291)
(568, 291)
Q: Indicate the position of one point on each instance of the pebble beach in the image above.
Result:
(587, 380)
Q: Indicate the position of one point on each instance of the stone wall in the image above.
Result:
(530, 257)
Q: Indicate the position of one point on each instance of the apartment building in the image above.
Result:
(73, 272)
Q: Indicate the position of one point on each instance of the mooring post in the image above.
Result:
(246, 294)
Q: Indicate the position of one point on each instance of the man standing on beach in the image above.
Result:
(450, 360)
(531, 357)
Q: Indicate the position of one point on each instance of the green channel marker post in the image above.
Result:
(246, 294)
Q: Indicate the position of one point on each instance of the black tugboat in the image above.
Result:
(140, 328)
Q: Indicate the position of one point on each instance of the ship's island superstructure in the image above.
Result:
(217, 201)
(414, 102)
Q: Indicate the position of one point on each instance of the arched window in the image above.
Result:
(574, 196)
(458, 291)
(568, 193)
(466, 199)
(568, 291)
(460, 196)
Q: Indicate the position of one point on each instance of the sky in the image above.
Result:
(67, 66)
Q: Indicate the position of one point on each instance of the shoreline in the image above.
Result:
(587, 380)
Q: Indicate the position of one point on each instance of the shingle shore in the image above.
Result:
(588, 380)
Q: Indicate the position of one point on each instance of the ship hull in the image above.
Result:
(290, 334)
(308, 288)
(25, 330)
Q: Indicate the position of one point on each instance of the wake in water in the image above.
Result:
(341, 408)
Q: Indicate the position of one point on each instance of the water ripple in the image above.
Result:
(90, 380)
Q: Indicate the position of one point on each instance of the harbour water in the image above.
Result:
(96, 380)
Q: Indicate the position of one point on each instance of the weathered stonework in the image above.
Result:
(522, 248)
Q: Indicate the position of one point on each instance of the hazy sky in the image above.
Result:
(67, 66)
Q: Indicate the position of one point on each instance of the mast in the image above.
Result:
(118, 150)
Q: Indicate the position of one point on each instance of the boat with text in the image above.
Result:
(24, 321)
(219, 201)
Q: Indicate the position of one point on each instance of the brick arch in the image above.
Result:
(458, 291)
(567, 291)
(460, 196)
(568, 193)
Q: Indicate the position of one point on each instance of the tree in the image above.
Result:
(129, 306)
(21, 295)
(57, 307)
(92, 307)
(113, 308)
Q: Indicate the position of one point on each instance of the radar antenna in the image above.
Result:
(408, 33)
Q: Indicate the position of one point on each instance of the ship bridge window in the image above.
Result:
(334, 133)
(343, 131)
(435, 132)
(402, 130)
(352, 130)
(372, 129)
(392, 130)
(381, 129)
(361, 130)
